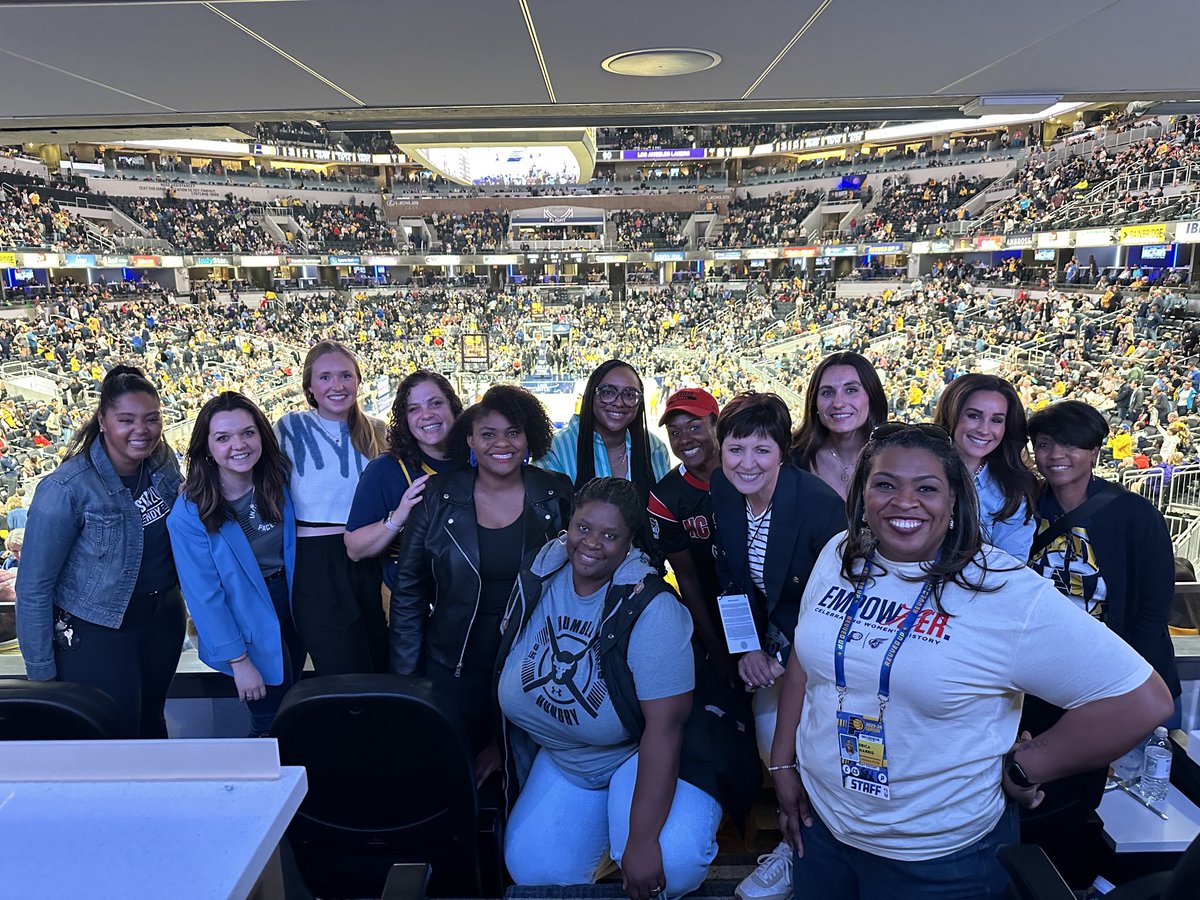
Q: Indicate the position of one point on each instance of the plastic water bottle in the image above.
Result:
(1156, 766)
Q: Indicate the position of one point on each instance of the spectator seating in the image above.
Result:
(642, 230)
(198, 226)
(470, 232)
(912, 210)
(767, 221)
(345, 229)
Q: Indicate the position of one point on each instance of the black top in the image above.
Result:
(500, 552)
(681, 518)
(266, 538)
(440, 566)
(1121, 567)
(157, 572)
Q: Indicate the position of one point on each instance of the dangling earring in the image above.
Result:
(471, 460)
(528, 457)
(950, 527)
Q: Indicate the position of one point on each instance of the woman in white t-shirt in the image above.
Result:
(914, 648)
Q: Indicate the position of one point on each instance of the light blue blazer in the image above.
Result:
(225, 590)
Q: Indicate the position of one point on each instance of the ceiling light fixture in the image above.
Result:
(661, 61)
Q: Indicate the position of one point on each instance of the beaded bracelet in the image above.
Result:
(790, 765)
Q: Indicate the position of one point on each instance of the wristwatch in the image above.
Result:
(1013, 770)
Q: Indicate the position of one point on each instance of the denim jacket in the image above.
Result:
(1013, 535)
(84, 549)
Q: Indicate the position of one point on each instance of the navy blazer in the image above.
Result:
(225, 590)
(805, 514)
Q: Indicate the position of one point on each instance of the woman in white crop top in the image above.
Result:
(336, 602)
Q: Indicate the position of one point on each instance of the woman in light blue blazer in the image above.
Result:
(234, 537)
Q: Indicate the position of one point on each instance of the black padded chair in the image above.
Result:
(55, 711)
(1035, 878)
(390, 780)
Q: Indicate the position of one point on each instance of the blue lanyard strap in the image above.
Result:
(885, 669)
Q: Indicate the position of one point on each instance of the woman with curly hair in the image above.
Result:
(463, 546)
(392, 484)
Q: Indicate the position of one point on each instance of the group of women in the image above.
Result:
(523, 576)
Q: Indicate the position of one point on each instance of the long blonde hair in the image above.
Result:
(367, 435)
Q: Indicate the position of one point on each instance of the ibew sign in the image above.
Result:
(1188, 232)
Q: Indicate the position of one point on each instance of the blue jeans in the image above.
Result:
(560, 833)
(830, 868)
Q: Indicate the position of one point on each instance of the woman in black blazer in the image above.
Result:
(772, 519)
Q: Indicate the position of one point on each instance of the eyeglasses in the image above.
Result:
(891, 429)
(609, 393)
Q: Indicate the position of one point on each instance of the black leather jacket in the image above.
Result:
(437, 586)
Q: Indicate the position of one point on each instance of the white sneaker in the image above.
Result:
(772, 880)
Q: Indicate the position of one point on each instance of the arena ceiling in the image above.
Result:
(378, 64)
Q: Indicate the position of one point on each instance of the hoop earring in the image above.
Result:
(471, 460)
(562, 537)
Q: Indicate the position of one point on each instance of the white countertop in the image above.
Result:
(204, 834)
(1131, 828)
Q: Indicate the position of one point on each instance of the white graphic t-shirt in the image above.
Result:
(957, 687)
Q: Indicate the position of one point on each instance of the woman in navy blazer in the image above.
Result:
(234, 537)
(772, 519)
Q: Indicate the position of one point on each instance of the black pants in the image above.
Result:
(471, 695)
(134, 664)
(338, 608)
(262, 712)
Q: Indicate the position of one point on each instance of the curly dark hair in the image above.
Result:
(518, 406)
(401, 444)
(961, 544)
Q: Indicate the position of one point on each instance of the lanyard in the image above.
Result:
(885, 669)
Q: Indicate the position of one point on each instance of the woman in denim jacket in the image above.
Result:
(986, 418)
(98, 601)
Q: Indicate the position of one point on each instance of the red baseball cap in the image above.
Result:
(695, 401)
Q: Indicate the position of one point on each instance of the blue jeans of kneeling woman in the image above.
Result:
(560, 833)
(830, 868)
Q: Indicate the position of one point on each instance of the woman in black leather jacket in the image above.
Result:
(463, 546)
